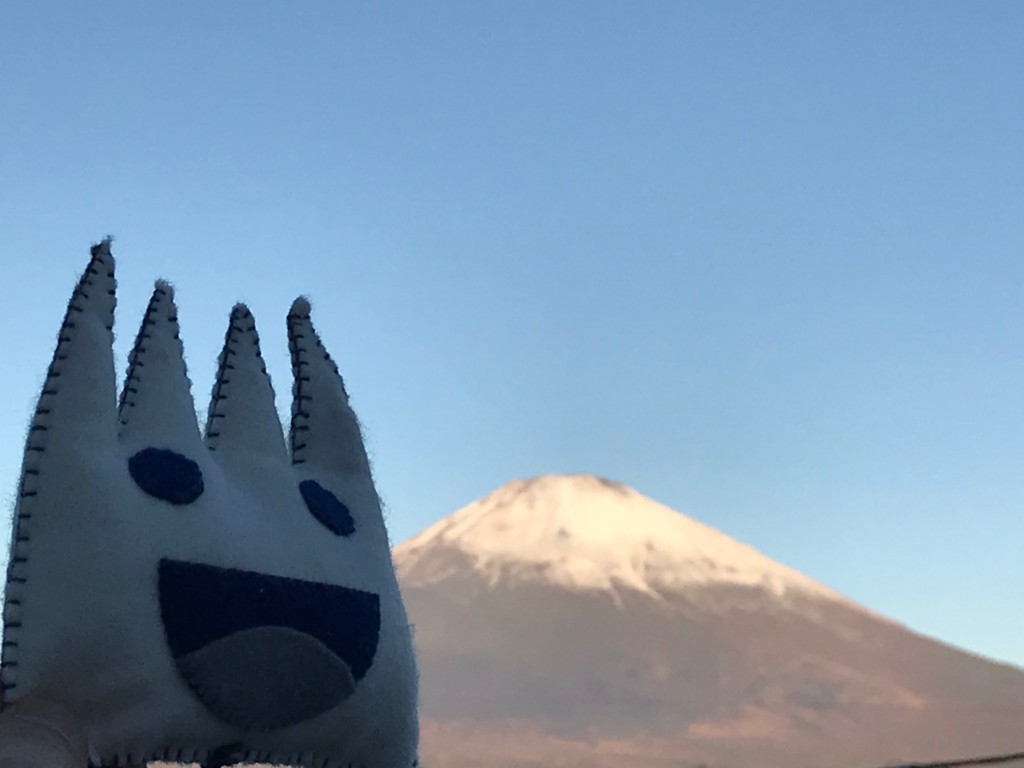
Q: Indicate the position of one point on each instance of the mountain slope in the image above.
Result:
(572, 621)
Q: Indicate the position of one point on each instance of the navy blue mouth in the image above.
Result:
(261, 651)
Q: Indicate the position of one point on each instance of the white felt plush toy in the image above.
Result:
(214, 599)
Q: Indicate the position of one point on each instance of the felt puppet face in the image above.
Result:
(214, 599)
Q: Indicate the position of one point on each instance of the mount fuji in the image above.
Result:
(571, 621)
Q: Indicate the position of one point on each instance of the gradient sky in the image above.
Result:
(762, 262)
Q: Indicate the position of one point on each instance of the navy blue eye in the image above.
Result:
(327, 508)
(166, 475)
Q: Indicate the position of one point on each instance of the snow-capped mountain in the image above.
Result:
(573, 621)
(588, 533)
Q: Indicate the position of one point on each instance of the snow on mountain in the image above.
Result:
(588, 533)
(598, 627)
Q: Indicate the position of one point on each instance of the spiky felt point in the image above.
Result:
(102, 248)
(300, 308)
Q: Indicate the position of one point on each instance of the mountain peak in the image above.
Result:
(590, 533)
(576, 616)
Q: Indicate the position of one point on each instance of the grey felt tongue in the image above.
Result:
(267, 677)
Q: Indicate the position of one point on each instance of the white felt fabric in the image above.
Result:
(82, 614)
(40, 734)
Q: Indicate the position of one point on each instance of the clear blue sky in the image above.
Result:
(763, 262)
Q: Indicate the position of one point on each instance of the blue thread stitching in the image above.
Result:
(230, 343)
(300, 418)
(135, 362)
(35, 446)
(230, 340)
